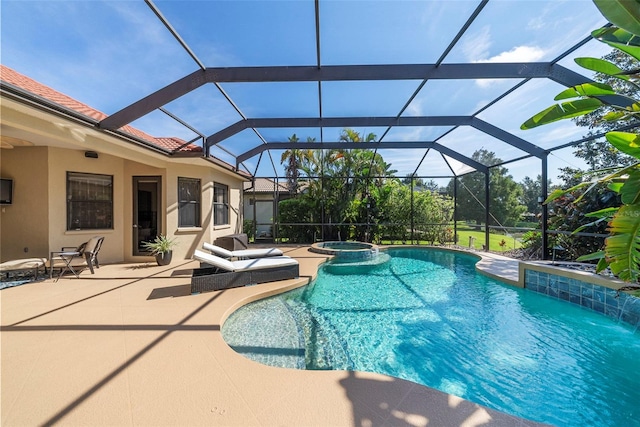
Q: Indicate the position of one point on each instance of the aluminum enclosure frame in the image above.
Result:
(320, 73)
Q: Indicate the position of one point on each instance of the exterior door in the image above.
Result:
(264, 220)
(147, 221)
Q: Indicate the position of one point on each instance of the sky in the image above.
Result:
(109, 54)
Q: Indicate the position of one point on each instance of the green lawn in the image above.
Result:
(464, 233)
(494, 240)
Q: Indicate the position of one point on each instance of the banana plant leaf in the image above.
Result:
(622, 248)
(621, 13)
(602, 265)
(602, 66)
(600, 256)
(566, 110)
(620, 39)
(586, 89)
(614, 116)
(592, 256)
(630, 191)
(628, 143)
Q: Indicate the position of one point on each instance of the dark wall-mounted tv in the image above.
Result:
(6, 191)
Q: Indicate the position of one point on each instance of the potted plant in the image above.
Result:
(161, 248)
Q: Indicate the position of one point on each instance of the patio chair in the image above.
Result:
(73, 258)
(243, 253)
(217, 273)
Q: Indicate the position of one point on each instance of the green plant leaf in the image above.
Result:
(628, 143)
(566, 110)
(591, 224)
(613, 116)
(602, 265)
(620, 39)
(615, 186)
(621, 13)
(602, 213)
(602, 66)
(592, 256)
(555, 194)
(592, 185)
(622, 248)
(630, 191)
(586, 89)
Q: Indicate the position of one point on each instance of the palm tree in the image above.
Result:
(295, 163)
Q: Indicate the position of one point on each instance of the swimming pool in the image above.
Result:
(426, 316)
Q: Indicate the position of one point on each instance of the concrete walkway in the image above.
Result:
(130, 346)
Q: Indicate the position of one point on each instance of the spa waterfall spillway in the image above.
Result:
(350, 257)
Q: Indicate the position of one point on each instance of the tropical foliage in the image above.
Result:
(354, 193)
(622, 247)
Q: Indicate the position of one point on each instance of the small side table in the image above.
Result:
(66, 257)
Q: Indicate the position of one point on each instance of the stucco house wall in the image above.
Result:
(50, 144)
(24, 225)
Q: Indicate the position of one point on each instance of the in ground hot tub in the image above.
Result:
(353, 251)
(351, 257)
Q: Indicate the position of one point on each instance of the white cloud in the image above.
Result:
(565, 132)
(518, 54)
(416, 108)
(477, 46)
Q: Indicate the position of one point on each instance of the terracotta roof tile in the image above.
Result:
(25, 83)
(265, 185)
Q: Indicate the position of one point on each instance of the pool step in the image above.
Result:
(324, 349)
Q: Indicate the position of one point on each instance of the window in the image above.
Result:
(89, 201)
(220, 204)
(188, 202)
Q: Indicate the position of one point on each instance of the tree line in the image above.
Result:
(356, 195)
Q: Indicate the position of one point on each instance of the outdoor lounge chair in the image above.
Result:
(21, 267)
(72, 258)
(243, 253)
(217, 273)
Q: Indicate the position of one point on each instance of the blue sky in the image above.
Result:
(109, 54)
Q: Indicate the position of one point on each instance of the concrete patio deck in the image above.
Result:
(130, 346)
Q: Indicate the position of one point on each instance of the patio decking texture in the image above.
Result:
(129, 346)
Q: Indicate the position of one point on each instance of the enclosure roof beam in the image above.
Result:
(338, 122)
(507, 137)
(342, 122)
(362, 146)
(459, 157)
(518, 70)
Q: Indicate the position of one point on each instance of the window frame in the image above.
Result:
(73, 221)
(218, 205)
(182, 204)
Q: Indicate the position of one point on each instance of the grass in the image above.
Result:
(464, 232)
(511, 242)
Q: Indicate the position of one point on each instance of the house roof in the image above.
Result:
(45, 93)
(265, 185)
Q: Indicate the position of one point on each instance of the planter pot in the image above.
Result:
(164, 258)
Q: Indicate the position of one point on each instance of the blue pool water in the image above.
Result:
(426, 316)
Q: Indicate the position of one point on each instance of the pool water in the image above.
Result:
(426, 316)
